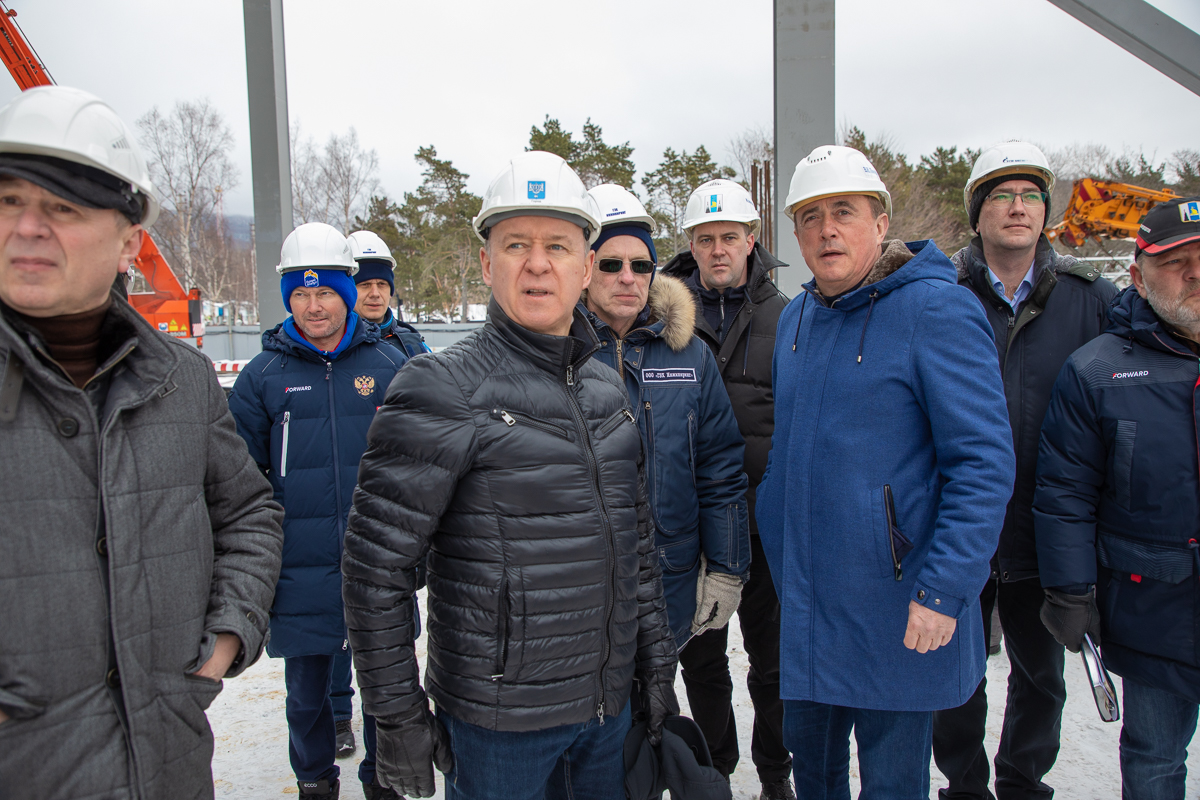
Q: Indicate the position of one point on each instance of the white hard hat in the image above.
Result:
(76, 126)
(832, 170)
(1008, 158)
(368, 245)
(721, 200)
(318, 246)
(619, 206)
(542, 184)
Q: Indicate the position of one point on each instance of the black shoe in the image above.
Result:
(345, 739)
(319, 790)
(373, 791)
(780, 790)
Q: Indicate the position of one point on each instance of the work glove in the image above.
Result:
(1069, 616)
(408, 746)
(717, 597)
(658, 699)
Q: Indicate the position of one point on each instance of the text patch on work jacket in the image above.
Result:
(674, 375)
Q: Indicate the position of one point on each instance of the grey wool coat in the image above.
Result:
(129, 539)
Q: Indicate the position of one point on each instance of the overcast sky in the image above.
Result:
(472, 76)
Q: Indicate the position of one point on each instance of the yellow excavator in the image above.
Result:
(1105, 210)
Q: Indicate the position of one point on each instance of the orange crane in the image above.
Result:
(166, 306)
(1105, 210)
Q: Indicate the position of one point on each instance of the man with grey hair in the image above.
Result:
(1117, 505)
(511, 459)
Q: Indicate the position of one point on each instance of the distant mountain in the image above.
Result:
(239, 227)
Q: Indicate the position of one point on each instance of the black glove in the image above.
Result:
(408, 746)
(658, 700)
(1069, 616)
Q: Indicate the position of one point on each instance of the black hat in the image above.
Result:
(1169, 225)
(984, 189)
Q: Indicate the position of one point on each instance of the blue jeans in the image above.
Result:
(581, 762)
(894, 748)
(312, 739)
(1156, 729)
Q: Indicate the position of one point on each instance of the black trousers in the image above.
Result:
(1032, 715)
(705, 668)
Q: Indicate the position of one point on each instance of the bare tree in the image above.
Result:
(753, 145)
(188, 154)
(333, 185)
(351, 176)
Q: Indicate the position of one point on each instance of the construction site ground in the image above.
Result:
(251, 759)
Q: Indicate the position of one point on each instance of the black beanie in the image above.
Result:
(985, 188)
(76, 183)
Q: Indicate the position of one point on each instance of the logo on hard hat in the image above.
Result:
(1007, 160)
(537, 190)
(616, 212)
(310, 278)
(1190, 212)
(714, 203)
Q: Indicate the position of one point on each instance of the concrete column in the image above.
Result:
(804, 111)
(270, 155)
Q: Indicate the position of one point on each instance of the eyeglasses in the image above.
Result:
(1028, 198)
(640, 266)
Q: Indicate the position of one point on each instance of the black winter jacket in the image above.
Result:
(1118, 494)
(1067, 308)
(744, 355)
(513, 460)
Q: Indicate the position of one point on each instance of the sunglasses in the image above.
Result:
(640, 266)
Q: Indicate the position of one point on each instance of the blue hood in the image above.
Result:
(927, 263)
(280, 339)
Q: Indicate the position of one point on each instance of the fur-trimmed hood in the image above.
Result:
(669, 303)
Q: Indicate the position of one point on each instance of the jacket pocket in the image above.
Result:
(898, 544)
(680, 556)
(1150, 616)
(283, 448)
(1123, 460)
(612, 423)
(514, 418)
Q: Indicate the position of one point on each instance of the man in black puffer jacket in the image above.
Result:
(1042, 306)
(513, 460)
(729, 273)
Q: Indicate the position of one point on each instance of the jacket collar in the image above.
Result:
(278, 339)
(1131, 317)
(670, 314)
(148, 361)
(926, 263)
(759, 286)
(554, 354)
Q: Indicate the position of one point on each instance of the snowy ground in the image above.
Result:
(251, 759)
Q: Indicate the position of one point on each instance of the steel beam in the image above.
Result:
(1156, 38)
(270, 155)
(804, 111)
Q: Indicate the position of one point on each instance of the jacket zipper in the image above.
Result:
(889, 510)
(287, 419)
(620, 359)
(721, 332)
(651, 481)
(337, 471)
(502, 624)
(606, 526)
(612, 423)
(511, 418)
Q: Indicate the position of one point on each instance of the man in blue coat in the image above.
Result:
(1117, 504)
(693, 447)
(303, 406)
(376, 282)
(890, 469)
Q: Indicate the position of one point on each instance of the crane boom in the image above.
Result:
(1106, 210)
(167, 306)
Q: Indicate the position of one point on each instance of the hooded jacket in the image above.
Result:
(132, 536)
(402, 336)
(1118, 494)
(744, 355)
(511, 458)
(1066, 309)
(304, 417)
(894, 386)
(694, 452)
